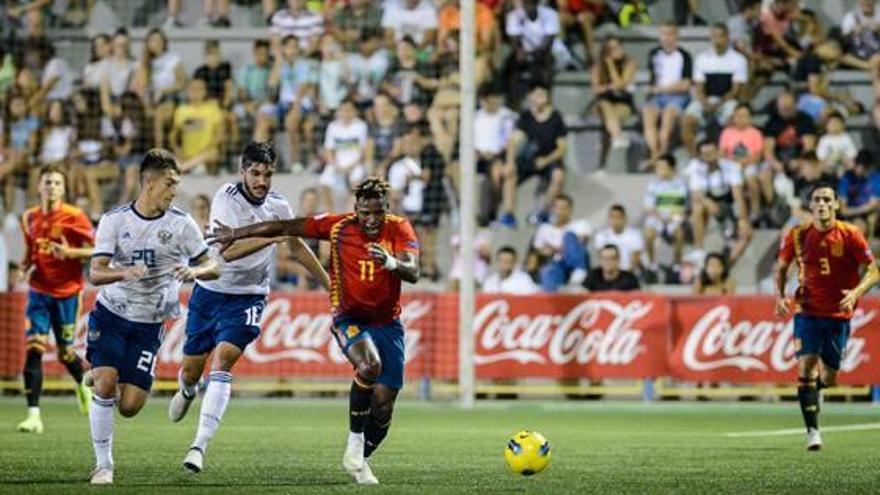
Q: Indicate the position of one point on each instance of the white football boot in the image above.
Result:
(178, 406)
(102, 476)
(194, 460)
(814, 439)
(365, 476)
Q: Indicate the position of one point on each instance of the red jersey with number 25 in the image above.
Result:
(360, 287)
(829, 263)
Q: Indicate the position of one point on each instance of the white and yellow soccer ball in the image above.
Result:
(527, 453)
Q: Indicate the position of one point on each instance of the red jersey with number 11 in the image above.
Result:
(829, 263)
(360, 286)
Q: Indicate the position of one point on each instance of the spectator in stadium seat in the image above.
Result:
(508, 278)
(859, 193)
(810, 81)
(716, 191)
(561, 244)
(714, 279)
(198, 130)
(355, 19)
(99, 53)
(532, 30)
(608, 276)
(56, 138)
(20, 134)
(742, 25)
(217, 74)
(385, 127)
(443, 112)
(482, 260)
(117, 69)
(358, 26)
(665, 208)
(771, 45)
(629, 240)
(124, 126)
(788, 133)
(488, 35)
(295, 76)
(415, 19)
(671, 71)
(495, 123)
(334, 77)
(719, 74)
(56, 78)
(809, 173)
(860, 28)
(836, 148)
(253, 95)
(743, 143)
(158, 79)
(536, 148)
(298, 21)
(92, 156)
(346, 154)
(583, 16)
(200, 210)
(613, 80)
(408, 79)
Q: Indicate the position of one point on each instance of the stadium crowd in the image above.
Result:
(358, 88)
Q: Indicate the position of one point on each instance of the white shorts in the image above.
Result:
(754, 169)
(664, 227)
(342, 182)
(724, 112)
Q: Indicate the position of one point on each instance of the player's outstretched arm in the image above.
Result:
(406, 267)
(224, 236)
(205, 268)
(869, 279)
(245, 247)
(307, 258)
(100, 272)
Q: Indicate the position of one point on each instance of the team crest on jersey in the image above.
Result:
(56, 231)
(352, 331)
(164, 236)
(837, 249)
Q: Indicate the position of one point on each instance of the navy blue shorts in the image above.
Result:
(215, 317)
(128, 346)
(45, 313)
(824, 337)
(389, 340)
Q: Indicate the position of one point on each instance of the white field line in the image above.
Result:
(800, 431)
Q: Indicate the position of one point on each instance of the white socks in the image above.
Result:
(101, 422)
(213, 406)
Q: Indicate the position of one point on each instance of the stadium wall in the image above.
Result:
(608, 336)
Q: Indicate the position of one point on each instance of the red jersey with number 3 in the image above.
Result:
(52, 276)
(360, 286)
(829, 263)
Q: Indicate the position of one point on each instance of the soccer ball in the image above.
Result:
(527, 453)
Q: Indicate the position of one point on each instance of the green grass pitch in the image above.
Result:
(295, 446)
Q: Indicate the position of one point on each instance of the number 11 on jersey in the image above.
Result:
(368, 269)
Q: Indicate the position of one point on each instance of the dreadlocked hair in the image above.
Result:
(372, 188)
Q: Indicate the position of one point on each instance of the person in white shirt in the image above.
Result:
(861, 29)
(495, 123)
(665, 209)
(143, 252)
(671, 70)
(561, 244)
(159, 79)
(57, 77)
(345, 152)
(532, 30)
(224, 314)
(414, 18)
(629, 240)
(298, 21)
(719, 75)
(716, 188)
(508, 278)
(836, 147)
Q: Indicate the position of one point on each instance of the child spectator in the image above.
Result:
(345, 152)
(197, 130)
(714, 279)
(836, 148)
(665, 209)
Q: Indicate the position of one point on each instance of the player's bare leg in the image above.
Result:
(188, 379)
(808, 396)
(213, 404)
(368, 366)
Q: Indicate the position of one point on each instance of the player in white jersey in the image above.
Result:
(143, 251)
(224, 314)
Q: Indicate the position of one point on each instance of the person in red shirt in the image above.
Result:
(830, 255)
(372, 251)
(58, 237)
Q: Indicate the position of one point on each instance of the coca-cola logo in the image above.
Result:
(597, 331)
(285, 335)
(715, 342)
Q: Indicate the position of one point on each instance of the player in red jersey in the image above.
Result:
(830, 255)
(58, 237)
(371, 253)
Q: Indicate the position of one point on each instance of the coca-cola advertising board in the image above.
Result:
(738, 339)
